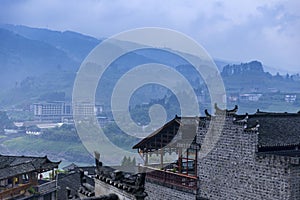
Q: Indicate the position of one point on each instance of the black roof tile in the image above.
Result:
(276, 129)
(14, 165)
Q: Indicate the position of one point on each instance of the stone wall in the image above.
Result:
(295, 182)
(102, 188)
(233, 170)
(159, 192)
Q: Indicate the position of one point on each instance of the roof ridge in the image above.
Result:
(276, 113)
(281, 114)
(17, 156)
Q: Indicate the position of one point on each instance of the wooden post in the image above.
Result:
(196, 163)
(146, 159)
(53, 174)
(187, 161)
(161, 158)
(179, 159)
(13, 181)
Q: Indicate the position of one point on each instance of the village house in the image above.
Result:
(21, 177)
(224, 156)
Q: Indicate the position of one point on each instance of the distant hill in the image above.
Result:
(249, 77)
(38, 63)
(251, 68)
(31, 52)
(27, 52)
(21, 57)
(75, 45)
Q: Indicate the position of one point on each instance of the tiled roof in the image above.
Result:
(103, 197)
(70, 167)
(91, 170)
(111, 196)
(165, 135)
(173, 123)
(17, 169)
(13, 165)
(130, 183)
(72, 181)
(276, 129)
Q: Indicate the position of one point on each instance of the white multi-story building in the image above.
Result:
(60, 111)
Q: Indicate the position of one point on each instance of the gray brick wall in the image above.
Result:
(159, 192)
(295, 182)
(233, 170)
(103, 188)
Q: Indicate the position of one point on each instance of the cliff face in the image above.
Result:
(253, 67)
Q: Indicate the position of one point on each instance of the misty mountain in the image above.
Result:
(21, 57)
(75, 45)
(251, 68)
(37, 63)
(31, 52)
(249, 77)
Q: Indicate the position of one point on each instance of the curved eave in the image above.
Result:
(142, 143)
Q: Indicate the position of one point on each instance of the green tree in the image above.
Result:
(127, 162)
(5, 122)
(124, 161)
(133, 162)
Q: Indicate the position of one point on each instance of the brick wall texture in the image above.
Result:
(233, 170)
(159, 192)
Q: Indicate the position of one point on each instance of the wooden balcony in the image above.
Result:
(170, 179)
(16, 191)
(21, 190)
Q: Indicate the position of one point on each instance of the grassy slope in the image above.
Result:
(59, 150)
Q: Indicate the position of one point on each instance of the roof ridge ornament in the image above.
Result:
(207, 114)
(243, 121)
(228, 112)
(259, 112)
(255, 127)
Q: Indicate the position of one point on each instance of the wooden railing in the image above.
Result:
(18, 190)
(171, 178)
(15, 191)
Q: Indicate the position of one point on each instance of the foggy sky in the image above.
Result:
(235, 30)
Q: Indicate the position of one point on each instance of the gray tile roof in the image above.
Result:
(71, 180)
(276, 129)
(14, 165)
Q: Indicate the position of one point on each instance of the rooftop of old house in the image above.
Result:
(131, 183)
(75, 184)
(275, 129)
(278, 133)
(166, 135)
(14, 165)
(21, 176)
